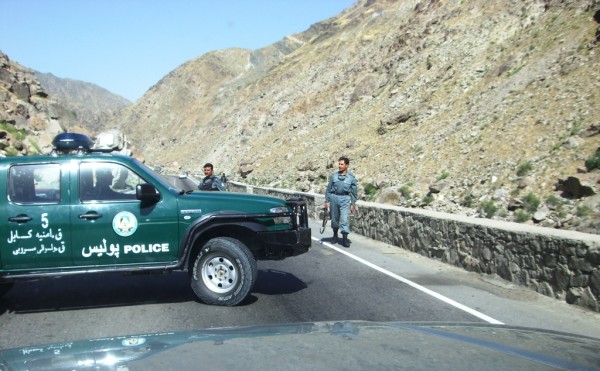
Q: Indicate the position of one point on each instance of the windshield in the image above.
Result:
(157, 178)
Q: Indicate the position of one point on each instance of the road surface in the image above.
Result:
(368, 281)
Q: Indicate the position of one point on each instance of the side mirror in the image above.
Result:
(146, 192)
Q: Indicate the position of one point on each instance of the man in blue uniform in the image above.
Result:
(210, 182)
(341, 195)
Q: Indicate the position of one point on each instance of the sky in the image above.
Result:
(126, 46)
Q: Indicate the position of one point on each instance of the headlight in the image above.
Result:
(280, 219)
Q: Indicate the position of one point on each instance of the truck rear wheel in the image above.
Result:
(224, 272)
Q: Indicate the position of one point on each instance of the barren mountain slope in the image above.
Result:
(86, 101)
(463, 106)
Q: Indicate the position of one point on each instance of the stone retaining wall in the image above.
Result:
(557, 263)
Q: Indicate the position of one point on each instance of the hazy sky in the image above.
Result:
(126, 46)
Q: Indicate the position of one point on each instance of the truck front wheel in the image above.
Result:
(224, 272)
(5, 287)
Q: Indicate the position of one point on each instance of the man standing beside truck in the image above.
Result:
(210, 182)
(341, 193)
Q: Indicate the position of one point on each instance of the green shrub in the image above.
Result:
(488, 208)
(521, 216)
(515, 71)
(552, 200)
(583, 210)
(427, 199)
(370, 189)
(575, 129)
(467, 201)
(19, 134)
(405, 191)
(443, 175)
(594, 161)
(524, 168)
(532, 202)
(36, 146)
(11, 152)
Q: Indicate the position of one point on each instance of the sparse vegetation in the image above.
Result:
(405, 191)
(370, 191)
(35, 146)
(583, 210)
(11, 152)
(515, 71)
(524, 168)
(552, 200)
(488, 208)
(531, 202)
(521, 216)
(19, 134)
(575, 129)
(417, 149)
(467, 201)
(593, 162)
(478, 131)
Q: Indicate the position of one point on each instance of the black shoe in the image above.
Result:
(345, 241)
(334, 239)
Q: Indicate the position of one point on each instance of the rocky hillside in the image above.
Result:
(485, 108)
(89, 103)
(29, 118)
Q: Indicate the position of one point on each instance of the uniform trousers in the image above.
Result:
(340, 212)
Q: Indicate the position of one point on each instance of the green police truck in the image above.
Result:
(80, 210)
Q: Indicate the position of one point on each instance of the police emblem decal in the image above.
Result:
(124, 224)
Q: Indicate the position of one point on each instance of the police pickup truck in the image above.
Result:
(80, 210)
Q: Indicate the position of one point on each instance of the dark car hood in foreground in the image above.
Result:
(321, 345)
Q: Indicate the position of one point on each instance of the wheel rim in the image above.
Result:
(219, 274)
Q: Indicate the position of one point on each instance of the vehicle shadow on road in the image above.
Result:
(274, 282)
(96, 291)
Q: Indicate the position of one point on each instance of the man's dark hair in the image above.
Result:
(208, 164)
(345, 159)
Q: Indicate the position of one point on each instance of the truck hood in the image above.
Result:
(321, 345)
(248, 203)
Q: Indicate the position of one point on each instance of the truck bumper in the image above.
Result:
(283, 244)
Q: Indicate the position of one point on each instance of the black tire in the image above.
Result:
(5, 287)
(224, 272)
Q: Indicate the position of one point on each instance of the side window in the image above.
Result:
(37, 183)
(100, 181)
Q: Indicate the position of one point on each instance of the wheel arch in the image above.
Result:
(199, 234)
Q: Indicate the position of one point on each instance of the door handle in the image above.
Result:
(90, 216)
(20, 219)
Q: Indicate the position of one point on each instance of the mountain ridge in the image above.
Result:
(438, 105)
(487, 109)
(89, 103)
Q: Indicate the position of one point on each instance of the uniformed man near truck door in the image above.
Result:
(341, 196)
(210, 182)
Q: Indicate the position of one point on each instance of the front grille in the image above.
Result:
(300, 211)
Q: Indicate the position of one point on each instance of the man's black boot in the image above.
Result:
(345, 241)
(335, 236)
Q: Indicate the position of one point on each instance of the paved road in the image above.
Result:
(369, 281)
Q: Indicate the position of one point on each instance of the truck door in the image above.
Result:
(35, 228)
(111, 226)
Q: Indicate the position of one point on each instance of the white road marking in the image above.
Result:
(413, 284)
